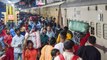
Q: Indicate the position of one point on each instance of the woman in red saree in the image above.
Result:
(9, 49)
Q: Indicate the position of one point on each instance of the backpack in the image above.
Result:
(74, 57)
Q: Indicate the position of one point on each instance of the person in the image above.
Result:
(22, 29)
(9, 49)
(4, 30)
(53, 24)
(60, 46)
(46, 50)
(2, 36)
(2, 52)
(27, 35)
(84, 39)
(68, 53)
(68, 36)
(12, 32)
(43, 21)
(17, 43)
(30, 52)
(39, 25)
(80, 40)
(67, 30)
(26, 25)
(34, 36)
(44, 37)
(20, 21)
(2, 41)
(50, 33)
(54, 53)
(89, 52)
(32, 24)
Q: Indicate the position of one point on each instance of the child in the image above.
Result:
(30, 52)
(54, 53)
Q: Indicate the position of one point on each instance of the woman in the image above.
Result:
(30, 52)
(46, 50)
(9, 49)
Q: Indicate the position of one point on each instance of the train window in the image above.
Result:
(105, 31)
(106, 7)
(88, 8)
(96, 8)
(98, 30)
(92, 30)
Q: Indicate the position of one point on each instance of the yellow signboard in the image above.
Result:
(11, 17)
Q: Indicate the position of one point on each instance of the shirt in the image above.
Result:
(46, 53)
(69, 36)
(17, 40)
(89, 53)
(50, 34)
(35, 38)
(8, 39)
(60, 47)
(12, 32)
(44, 39)
(67, 56)
(30, 54)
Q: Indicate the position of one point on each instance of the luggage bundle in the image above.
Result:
(78, 26)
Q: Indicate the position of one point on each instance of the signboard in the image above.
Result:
(74, 3)
(10, 17)
(52, 1)
(40, 2)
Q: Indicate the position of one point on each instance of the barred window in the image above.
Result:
(105, 31)
(98, 30)
(92, 28)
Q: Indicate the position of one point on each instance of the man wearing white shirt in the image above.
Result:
(68, 53)
(50, 33)
(60, 46)
(17, 43)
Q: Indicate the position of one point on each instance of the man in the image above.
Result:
(68, 34)
(89, 52)
(44, 37)
(68, 53)
(17, 43)
(12, 32)
(46, 50)
(60, 46)
(50, 32)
